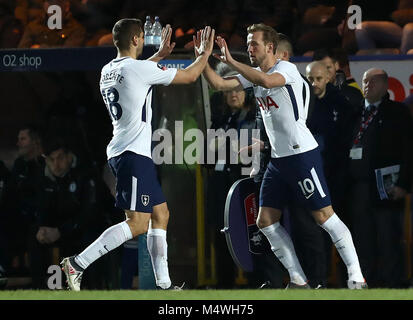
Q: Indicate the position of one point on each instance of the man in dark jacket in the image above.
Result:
(25, 177)
(382, 137)
(4, 224)
(334, 61)
(68, 210)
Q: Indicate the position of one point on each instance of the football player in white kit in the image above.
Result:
(295, 169)
(126, 86)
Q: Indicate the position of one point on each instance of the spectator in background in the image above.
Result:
(4, 223)
(231, 110)
(317, 22)
(340, 56)
(37, 33)
(28, 10)
(383, 140)
(25, 178)
(337, 76)
(96, 16)
(396, 32)
(68, 211)
(11, 29)
(409, 102)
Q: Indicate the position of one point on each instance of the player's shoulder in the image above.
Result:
(282, 64)
(288, 68)
(142, 66)
(123, 62)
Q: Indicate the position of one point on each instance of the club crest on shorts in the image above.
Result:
(72, 187)
(145, 199)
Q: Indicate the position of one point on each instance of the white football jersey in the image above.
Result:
(284, 111)
(126, 86)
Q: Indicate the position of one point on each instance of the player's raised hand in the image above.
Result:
(225, 56)
(204, 41)
(166, 47)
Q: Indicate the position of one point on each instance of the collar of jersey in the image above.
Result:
(120, 59)
(276, 62)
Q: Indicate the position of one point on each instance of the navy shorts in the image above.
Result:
(298, 178)
(137, 186)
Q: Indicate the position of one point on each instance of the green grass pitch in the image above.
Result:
(326, 294)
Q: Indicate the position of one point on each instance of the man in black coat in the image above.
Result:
(338, 68)
(22, 197)
(69, 213)
(382, 137)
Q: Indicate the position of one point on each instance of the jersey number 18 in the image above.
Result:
(111, 98)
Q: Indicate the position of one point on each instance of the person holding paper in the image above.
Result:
(382, 137)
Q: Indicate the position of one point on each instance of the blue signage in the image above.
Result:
(68, 59)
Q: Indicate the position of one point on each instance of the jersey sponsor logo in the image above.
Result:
(266, 103)
(145, 199)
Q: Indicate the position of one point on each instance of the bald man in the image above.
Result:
(382, 136)
(329, 58)
(319, 76)
(328, 117)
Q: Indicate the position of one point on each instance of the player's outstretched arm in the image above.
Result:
(255, 76)
(166, 47)
(193, 71)
(214, 80)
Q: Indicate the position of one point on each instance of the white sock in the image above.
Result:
(283, 248)
(110, 239)
(158, 249)
(341, 237)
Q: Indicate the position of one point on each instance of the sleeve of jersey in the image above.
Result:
(244, 82)
(153, 73)
(287, 70)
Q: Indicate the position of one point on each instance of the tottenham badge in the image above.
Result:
(145, 199)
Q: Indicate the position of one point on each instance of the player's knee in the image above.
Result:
(260, 223)
(138, 222)
(138, 227)
(160, 217)
(267, 217)
(322, 215)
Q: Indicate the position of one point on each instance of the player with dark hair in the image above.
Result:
(295, 169)
(126, 86)
(334, 62)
